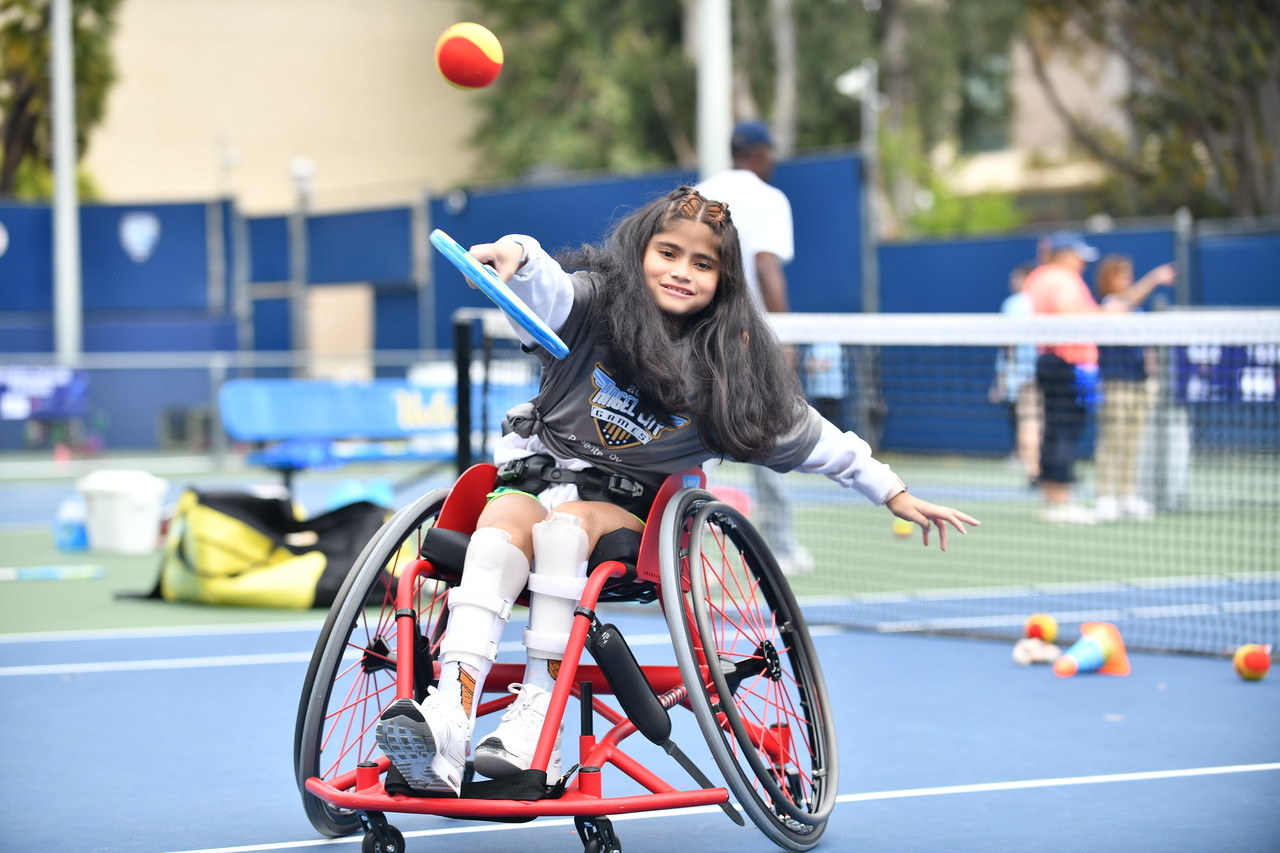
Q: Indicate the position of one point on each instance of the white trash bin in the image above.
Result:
(125, 509)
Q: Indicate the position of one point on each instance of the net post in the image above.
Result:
(462, 330)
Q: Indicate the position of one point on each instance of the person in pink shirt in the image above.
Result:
(1066, 373)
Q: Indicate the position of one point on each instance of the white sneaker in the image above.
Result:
(1138, 509)
(1107, 508)
(798, 562)
(511, 746)
(427, 743)
(1068, 514)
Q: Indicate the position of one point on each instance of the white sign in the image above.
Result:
(139, 235)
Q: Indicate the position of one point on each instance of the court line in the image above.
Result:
(267, 658)
(163, 631)
(154, 664)
(1166, 611)
(946, 790)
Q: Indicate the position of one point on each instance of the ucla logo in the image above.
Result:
(139, 235)
(615, 411)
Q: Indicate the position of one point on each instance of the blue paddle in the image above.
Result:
(495, 288)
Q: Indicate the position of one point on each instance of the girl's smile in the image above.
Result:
(682, 267)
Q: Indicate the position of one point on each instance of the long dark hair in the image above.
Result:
(723, 364)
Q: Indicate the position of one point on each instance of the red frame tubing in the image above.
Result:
(360, 789)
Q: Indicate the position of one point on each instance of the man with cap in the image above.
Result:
(762, 214)
(760, 210)
(1066, 373)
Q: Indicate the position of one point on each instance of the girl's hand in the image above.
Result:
(504, 256)
(911, 508)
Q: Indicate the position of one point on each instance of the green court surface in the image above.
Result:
(66, 605)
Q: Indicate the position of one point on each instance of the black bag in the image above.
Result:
(233, 548)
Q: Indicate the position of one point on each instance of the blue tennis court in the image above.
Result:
(180, 740)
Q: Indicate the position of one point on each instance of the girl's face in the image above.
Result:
(682, 267)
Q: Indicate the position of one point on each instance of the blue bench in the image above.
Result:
(305, 424)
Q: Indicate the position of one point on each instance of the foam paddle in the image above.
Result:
(488, 282)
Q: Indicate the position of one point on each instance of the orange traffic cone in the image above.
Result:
(1099, 649)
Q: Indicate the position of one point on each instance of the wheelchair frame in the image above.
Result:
(737, 633)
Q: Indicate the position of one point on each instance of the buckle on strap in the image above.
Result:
(623, 486)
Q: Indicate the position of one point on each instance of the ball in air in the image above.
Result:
(469, 56)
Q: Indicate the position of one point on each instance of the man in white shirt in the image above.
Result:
(762, 215)
(761, 212)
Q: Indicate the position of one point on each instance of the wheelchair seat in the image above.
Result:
(447, 549)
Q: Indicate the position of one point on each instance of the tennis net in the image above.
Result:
(1174, 533)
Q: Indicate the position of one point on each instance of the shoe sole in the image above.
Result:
(493, 760)
(406, 739)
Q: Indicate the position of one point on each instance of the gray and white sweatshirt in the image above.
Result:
(584, 417)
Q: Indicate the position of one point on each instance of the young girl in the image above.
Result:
(670, 365)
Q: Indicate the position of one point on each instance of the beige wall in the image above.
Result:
(1091, 84)
(351, 84)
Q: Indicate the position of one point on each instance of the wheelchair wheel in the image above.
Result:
(740, 636)
(352, 676)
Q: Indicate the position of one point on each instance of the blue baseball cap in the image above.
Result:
(1074, 242)
(748, 134)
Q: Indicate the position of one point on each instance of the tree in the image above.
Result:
(1204, 102)
(26, 137)
(592, 86)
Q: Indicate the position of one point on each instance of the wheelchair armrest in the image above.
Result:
(446, 550)
(622, 545)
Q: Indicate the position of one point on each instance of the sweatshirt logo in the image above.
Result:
(615, 412)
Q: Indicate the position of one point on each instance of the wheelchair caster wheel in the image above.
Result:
(597, 835)
(380, 836)
(390, 841)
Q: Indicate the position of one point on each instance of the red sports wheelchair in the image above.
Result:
(745, 666)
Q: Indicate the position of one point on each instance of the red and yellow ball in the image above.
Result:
(1252, 661)
(469, 56)
(1041, 626)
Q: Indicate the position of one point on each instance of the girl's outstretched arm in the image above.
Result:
(911, 508)
(533, 275)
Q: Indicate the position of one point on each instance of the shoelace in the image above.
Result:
(521, 707)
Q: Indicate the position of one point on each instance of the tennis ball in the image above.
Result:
(1041, 626)
(1065, 666)
(1252, 661)
(469, 56)
(902, 528)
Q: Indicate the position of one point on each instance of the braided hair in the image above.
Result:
(722, 365)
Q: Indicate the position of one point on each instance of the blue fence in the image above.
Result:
(160, 277)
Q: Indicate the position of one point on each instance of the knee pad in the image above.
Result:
(493, 575)
(556, 584)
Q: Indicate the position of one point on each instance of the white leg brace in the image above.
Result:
(556, 584)
(493, 575)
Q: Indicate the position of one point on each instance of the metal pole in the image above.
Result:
(715, 86)
(870, 180)
(218, 443)
(67, 321)
(303, 176)
(462, 405)
(1183, 234)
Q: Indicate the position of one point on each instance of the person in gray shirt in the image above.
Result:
(669, 365)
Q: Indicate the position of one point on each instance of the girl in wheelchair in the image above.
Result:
(670, 365)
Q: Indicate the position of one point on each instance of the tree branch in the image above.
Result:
(1078, 131)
